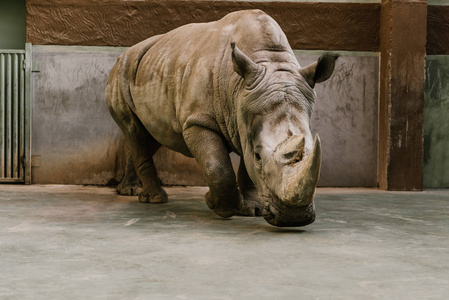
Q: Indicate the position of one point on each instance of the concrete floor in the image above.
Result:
(72, 242)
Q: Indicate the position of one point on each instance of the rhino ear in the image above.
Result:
(245, 67)
(320, 70)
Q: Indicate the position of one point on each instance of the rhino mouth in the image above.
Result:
(278, 214)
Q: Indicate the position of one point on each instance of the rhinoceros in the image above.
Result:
(208, 89)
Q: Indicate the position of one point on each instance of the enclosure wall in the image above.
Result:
(345, 115)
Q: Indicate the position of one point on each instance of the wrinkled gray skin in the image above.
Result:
(208, 89)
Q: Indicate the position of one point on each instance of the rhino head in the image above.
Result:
(281, 156)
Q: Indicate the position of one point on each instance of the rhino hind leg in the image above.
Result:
(142, 147)
(130, 184)
(211, 153)
(251, 204)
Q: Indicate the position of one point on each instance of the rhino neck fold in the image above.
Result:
(225, 90)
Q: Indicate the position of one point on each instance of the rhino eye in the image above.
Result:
(257, 155)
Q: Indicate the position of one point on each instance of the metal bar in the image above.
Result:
(22, 116)
(2, 115)
(15, 117)
(12, 111)
(28, 87)
(8, 116)
(10, 180)
(12, 51)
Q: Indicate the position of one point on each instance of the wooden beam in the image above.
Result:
(308, 26)
(402, 73)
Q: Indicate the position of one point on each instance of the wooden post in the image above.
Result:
(401, 109)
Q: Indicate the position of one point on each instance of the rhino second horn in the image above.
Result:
(291, 151)
(300, 190)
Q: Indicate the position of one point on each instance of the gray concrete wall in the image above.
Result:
(436, 122)
(345, 117)
(75, 141)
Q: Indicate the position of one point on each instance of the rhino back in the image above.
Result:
(185, 77)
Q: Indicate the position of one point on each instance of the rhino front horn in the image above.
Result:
(300, 189)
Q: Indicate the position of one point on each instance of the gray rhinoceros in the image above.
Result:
(209, 89)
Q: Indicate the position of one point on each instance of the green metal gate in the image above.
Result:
(15, 115)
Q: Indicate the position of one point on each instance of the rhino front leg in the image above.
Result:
(211, 153)
(252, 204)
(130, 184)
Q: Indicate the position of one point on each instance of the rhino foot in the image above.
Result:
(250, 208)
(157, 198)
(129, 189)
(251, 205)
(224, 209)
